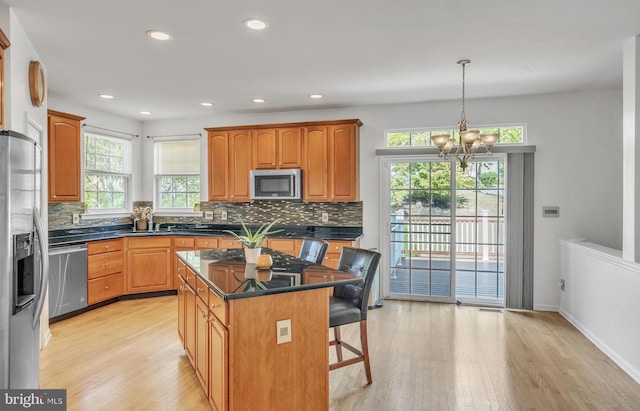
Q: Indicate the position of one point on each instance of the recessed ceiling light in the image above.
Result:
(206, 104)
(258, 100)
(255, 24)
(158, 35)
(146, 113)
(108, 96)
(315, 95)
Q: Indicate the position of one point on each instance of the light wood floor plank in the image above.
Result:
(126, 356)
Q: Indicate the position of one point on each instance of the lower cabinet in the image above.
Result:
(289, 246)
(202, 344)
(104, 275)
(148, 265)
(181, 308)
(190, 324)
(334, 251)
(218, 355)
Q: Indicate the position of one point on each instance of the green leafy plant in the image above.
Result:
(254, 239)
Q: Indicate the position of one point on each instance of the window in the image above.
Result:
(422, 137)
(177, 176)
(107, 172)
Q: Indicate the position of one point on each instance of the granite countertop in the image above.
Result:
(226, 272)
(84, 234)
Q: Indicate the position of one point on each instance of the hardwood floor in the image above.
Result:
(126, 356)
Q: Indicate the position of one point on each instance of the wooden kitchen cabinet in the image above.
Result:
(148, 264)
(206, 243)
(218, 367)
(277, 148)
(181, 308)
(65, 178)
(331, 162)
(335, 250)
(4, 43)
(190, 324)
(104, 273)
(289, 246)
(230, 160)
(202, 344)
(180, 243)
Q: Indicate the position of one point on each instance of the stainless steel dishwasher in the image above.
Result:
(67, 279)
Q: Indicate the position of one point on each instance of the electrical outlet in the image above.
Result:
(283, 331)
(208, 215)
(223, 215)
(325, 217)
(76, 218)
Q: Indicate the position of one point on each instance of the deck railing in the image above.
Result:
(420, 235)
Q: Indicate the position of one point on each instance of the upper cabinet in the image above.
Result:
(275, 148)
(230, 160)
(4, 43)
(331, 162)
(64, 157)
(326, 151)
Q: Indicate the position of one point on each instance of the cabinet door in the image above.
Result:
(218, 155)
(181, 309)
(218, 355)
(289, 147)
(202, 345)
(315, 174)
(148, 269)
(240, 161)
(265, 148)
(64, 158)
(190, 324)
(343, 184)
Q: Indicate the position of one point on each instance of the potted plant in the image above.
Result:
(253, 240)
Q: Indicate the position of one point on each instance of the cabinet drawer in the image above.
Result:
(206, 242)
(153, 242)
(218, 307)
(106, 246)
(100, 265)
(228, 242)
(335, 247)
(202, 290)
(191, 278)
(182, 269)
(186, 242)
(103, 288)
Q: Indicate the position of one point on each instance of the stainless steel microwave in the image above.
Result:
(276, 184)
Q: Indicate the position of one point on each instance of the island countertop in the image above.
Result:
(226, 272)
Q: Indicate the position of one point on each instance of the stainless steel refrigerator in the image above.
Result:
(23, 260)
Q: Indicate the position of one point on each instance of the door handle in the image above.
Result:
(44, 264)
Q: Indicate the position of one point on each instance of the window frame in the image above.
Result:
(127, 159)
(157, 178)
(455, 129)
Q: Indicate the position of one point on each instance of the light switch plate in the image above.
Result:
(325, 217)
(208, 215)
(76, 218)
(223, 215)
(283, 331)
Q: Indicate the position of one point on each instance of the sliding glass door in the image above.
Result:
(446, 231)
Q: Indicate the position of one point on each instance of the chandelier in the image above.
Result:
(469, 140)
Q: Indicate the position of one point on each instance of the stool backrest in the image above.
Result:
(363, 263)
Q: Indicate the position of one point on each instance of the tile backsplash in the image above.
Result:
(294, 213)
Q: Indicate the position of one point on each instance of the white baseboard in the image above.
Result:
(608, 351)
(545, 307)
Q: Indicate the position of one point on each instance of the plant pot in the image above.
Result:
(251, 255)
(141, 224)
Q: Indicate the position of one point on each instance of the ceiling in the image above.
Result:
(354, 52)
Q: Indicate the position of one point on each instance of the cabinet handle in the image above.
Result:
(55, 196)
(204, 315)
(200, 289)
(106, 264)
(189, 277)
(106, 287)
(180, 269)
(214, 306)
(273, 164)
(106, 246)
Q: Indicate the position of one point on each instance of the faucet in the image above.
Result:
(170, 227)
(158, 226)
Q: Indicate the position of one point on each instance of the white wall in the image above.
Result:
(578, 162)
(602, 299)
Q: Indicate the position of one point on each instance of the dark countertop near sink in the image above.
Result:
(81, 235)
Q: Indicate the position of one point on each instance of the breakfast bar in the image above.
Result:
(257, 339)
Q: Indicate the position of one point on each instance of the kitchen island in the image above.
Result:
(257, 339)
